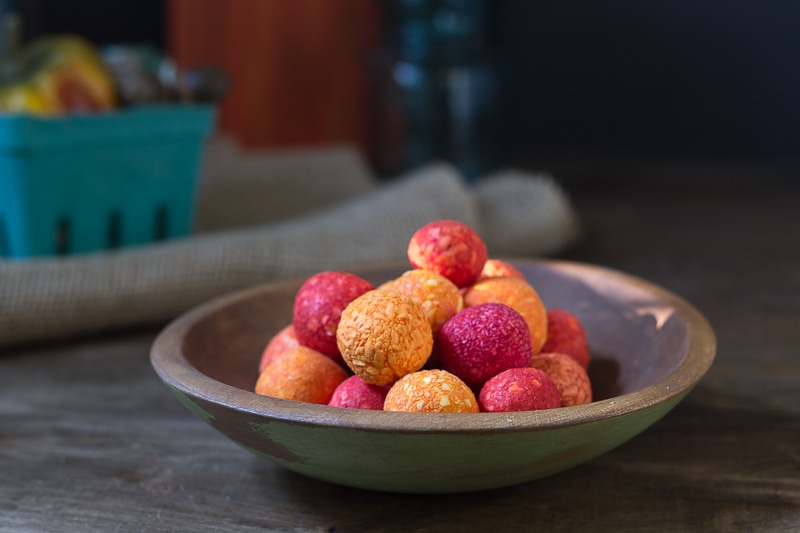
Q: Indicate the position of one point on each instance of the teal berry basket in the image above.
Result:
(92, 182)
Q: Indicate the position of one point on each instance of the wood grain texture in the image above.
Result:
(91, 440)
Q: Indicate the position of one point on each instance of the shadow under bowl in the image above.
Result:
(649, 349)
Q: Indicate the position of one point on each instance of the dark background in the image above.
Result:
(715, 78)
(678, 79)
(104, 22)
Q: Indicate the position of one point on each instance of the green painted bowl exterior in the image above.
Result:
(649, 349)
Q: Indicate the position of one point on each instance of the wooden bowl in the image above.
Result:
(649, 349)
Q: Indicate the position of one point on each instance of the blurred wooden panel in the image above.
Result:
(298, 68)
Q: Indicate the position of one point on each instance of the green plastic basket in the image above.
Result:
(94, 182)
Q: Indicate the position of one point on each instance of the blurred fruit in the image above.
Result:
(23, 98)
(135, 72)
(58, 74)
(143, 75)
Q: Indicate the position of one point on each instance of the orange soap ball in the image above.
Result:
(449, 248)
(279, 343)
(384, 335)
(431, 391)
(438, 296)
(482, 341)
(565, 334)
(301, 374)
(517, 294)
(497, 268)
(353, 393)
(569, 376)
(318, 307)
(519, 389)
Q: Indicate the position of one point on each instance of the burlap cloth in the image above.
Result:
(268, 216)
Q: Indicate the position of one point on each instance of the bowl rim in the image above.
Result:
(175, 371)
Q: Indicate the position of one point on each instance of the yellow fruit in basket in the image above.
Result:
(75, 78)
(60, 74)
(24, 98)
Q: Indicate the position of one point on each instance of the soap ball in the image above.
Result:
(353, 393)
(565, 334)
(569, 376)
(519, 389)
(318, 306)
(482, 341)
(384, 335)
(449, 248)
(301, 374)
(431, 391)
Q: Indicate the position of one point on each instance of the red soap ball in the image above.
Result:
(449, 248)
(569, 376)
(279, 343)
(353, 393)
(498, 268)
(565, 334)
(519, 389)
(301, 374)
(318, 307)
(482, 341)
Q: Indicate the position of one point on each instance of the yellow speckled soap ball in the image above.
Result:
(438, 296)
(384, 335)
(431, 391)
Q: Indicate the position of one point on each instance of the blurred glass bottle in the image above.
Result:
(438, 90)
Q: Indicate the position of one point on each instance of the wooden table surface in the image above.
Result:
(91, 440)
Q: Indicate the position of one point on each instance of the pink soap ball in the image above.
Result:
(279, 343)
(519, 295)
(498, 268)
(565, 334)
(318, 307)
(569, 376)
(449, 248)
(354, 393)
(482, 341)
(519, 389)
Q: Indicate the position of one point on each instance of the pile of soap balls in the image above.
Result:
(459, 332)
